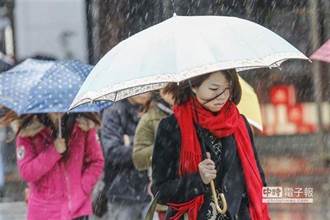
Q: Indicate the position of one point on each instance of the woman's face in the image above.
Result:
(216, 85)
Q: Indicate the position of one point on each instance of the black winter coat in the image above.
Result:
(126, 184)
(175, 189)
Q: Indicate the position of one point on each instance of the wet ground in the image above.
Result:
(12, 211)
(17, 210)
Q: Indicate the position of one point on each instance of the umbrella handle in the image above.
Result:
(59, 127)
(220, 210)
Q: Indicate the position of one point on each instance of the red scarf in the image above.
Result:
(227, 122)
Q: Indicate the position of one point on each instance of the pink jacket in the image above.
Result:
(60, 188)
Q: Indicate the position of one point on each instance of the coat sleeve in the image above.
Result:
(171, 187)
(143, 144)
(112, 136)
(33, 166)
(262, 174)
(94, 161)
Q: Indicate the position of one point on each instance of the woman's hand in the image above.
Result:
(60, 145)
(207, 169)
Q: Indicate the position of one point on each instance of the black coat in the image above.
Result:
(175, 189)
(126, 184)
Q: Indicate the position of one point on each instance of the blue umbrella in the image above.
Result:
(38, 86)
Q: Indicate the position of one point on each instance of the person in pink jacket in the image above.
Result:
(60, 172)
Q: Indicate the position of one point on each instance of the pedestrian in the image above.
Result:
(127, 187)
(205, 112)
(145, 134)
(60, 171)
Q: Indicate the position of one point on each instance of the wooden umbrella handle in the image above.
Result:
(220, 210)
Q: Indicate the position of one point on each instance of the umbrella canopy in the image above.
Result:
(38, 86)
(180, 48)
(323, 53)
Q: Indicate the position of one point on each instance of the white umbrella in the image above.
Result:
(180, 48)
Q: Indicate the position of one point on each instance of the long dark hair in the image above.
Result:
(68, 122)
(182, 92)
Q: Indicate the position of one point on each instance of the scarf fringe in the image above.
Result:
(190, 163)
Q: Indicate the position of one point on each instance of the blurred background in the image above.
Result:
(294, 146)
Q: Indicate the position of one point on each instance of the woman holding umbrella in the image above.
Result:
(206, 141)
(178, 49)
(60, 172)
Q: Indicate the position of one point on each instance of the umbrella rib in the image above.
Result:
(127, 88)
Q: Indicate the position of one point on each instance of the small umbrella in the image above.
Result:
(180, 48)
(38, 86)
(323, 53)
